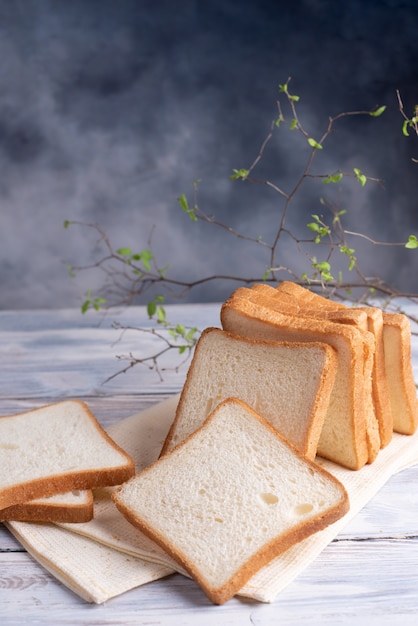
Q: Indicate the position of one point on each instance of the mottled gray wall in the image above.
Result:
(109, 109)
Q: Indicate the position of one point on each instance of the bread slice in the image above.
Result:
(71, 507)
(289, 384)
(343, 436)
(229, 499)
(374, 324)
(402, 390)
(313, 305)
(57, 448)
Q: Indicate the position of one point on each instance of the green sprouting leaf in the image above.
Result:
(283, 88)
(151, 308)
(124, 251)
(378, 111)
(293, 124)
(362, 179)
(240, 174)
(412, 242)
(333, 178)
(67, 223)
(183, 202)
(98, 303)
(279, 120)
(294, 98)
(161, 314)
(85, 306)
(314, 144)
(405, 128)
(146, 258)
(180, 330)
(347, 250)
(191, 211)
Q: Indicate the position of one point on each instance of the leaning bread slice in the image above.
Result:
(57, 448)
(402, 390)
(343, 436)
(332, 309)
(230, 498)
(71, 507)
(313, 305)
(289, 384)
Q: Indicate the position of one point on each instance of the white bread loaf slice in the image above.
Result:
(343, 437)
(312, 305)
(230, 498)
(330, 309)
(402, 390)
(57, 448)
(289, 384)
(72, 507)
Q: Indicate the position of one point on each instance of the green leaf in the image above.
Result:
(333, 178)
(161, 314)
(146, 257)
(405, 128)
(67, 223)
(378, 111)
(279, 120)
(183, 203)
(283, 88)
(71, 272)
(124, 251)
(180, 330)
(294, 98)
(151, 308)
(362, 179)
(85, 306)
(240, 174)
(293, 124)
(412, 242)
(314, 144)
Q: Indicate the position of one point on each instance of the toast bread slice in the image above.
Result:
(289, 384)
(230, 498)
(54, 449)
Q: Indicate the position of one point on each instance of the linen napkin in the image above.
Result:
(107, 556)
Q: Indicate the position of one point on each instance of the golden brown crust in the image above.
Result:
(405, 419)
(42, 511)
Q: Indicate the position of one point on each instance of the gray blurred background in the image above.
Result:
(110, 109)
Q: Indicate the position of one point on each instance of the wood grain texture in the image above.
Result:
(368, 576)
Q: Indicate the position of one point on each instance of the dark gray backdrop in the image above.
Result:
(109, 109)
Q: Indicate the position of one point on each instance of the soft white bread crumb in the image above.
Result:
(289, 384)
(231, 498)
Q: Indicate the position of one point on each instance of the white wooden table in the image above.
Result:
(367, 576)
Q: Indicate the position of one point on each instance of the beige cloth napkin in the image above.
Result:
(107, 556)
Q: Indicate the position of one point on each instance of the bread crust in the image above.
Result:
(44, 511)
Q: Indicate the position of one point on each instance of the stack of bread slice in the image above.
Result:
(374, 393)
(50, 460)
